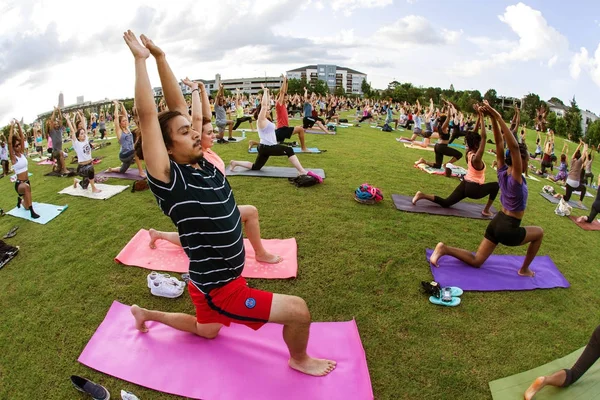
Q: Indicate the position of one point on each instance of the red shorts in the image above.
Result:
(234, 302)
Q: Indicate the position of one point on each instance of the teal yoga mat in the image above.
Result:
(47, 212)
(586, 388)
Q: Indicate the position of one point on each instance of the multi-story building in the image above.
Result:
(348, 79)
(61, 100)
(246, 85)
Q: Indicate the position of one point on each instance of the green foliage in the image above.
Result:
(531, 103)
(365, 87)
(593, 133)
(491, 96)
(556, 100)
(573, 120)
(561, 127)
(296, 86)
(339, 91)
(318, 86)
(551, 119)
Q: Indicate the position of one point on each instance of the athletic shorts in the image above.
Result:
(308, 122)
(285, 132)
(18, 182)
(56, 154)
(426, 134)
(505, 230)
(234, 302)
(221, 125)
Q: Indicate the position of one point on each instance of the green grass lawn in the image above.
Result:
(355, 261)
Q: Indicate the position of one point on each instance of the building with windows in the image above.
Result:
(246, 85)
(61, 100)
(335, 77)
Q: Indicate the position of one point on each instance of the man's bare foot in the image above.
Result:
(139, 314)
(437, 253)
(149, 44)
(232, 165)
(526, 272)
(154, 236)
(418, 196)
(486, 213)
(304, 149)
(268, 258)
(96, 191)
(142, 174)
(535, 387)
(313, 366)
(582, 219)
(75, 182)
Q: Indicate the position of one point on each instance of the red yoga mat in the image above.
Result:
(239, 364)
(170, 257)
(594, 226)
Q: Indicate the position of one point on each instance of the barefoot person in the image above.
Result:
(576, 173)
(473, 186)
(200, 202)
(125, 137)
(505, 227)
(284, 131)
(54, 131)
(81, 145)
(20, 164)
(566, 377)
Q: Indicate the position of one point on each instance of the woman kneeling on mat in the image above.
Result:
(81, 145)
(19, 162)
(441, 147)
(505, 227)
(595, 209)
(473, 186)
(567, 377)
(268, 143)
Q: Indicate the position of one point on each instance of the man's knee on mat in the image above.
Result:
(208, 331)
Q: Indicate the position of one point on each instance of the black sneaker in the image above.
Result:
(232, 139)
(222, 141)
(96, 391)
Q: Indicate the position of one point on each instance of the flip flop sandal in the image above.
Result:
(454, 301)
(11, 233)
(454, 291)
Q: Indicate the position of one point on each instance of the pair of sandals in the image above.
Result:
(12, 232)
(443, 296)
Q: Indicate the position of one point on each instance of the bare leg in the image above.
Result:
(75, 182)
(94, 188)
(424, 143)
(172, 237)
(181, 322)
(486, 210)
(251, 223)
(243, 164)
(534, 237)
(293, 314)
(296, 163)
(230, 127)
(486, 248)
(420, 195)
(252, 143)
(138, 162)
(64, 169)
(556, 379)
(300, 131)
(322, 127)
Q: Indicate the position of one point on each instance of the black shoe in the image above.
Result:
(19, 202)
(222, 141)
(96, 391)
(448, 172)
(232, 139)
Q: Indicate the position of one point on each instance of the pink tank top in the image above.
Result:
(474, 175)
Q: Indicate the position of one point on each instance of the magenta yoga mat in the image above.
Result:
(239, 364)
(499, 272)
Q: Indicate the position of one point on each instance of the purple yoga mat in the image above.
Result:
(131, 174)
(239, 364)
(462, 209)
(499, 272)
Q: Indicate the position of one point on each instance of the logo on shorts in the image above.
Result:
(250, 302)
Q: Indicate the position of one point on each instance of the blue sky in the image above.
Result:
(511, 46)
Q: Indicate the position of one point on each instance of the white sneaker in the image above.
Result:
(166, 288)
(125, 395)
(157, 277)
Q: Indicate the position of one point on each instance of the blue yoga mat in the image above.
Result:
(296, 150)
(47, 212)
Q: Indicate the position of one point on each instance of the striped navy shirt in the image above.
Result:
(200, 202)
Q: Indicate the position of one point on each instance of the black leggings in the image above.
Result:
(266, 151)
(366, 117)
(5, 167)
(87, 173)
(469, 190)
(442, 150)
(240, 120)
(547, 165)
(589, 356)
(581, 188)
(456, 134)
(595, 209)
(588, 175)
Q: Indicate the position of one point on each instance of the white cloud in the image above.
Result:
(536, 41)
(415, 30)
(348, 6)
(583, 62)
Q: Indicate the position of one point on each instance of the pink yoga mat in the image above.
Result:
(46, 162)
(172, 258)
(238, 364)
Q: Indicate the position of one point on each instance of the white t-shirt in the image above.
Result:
(83, 150)
(4, 153)
(267, 136)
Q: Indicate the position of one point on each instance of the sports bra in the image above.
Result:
(21, 165)
(474, 175)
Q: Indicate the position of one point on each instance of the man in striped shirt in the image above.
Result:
(198, 199)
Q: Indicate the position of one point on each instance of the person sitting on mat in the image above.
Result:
(199, 200)
(505, 227)
(20, 165)
(566, 377)
(125, 137)
(441, 147)
(284, 131)
(239, 112)
(268, 143)
(574, 178)
(81, 145)
(473, 186)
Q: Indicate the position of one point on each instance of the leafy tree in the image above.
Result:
(531, 103)
(491, 96)
(556, 100)
(296, 86)
(593, 133)
(393, 84)
(551, 119)
(339, 91)
(561, 127)
(451, 87)
(318, 86)
(573, 120)
(365, 87)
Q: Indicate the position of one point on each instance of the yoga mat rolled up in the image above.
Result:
(586, 388)
(499, 272)
(462, 209)
(239, 364)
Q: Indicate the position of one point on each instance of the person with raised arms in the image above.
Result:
(576, 174)
(239, 112)
(54, 131)
(4, 156)
(125, 137)
(221, 118)
(284, 131)
(473, 186)
(20, 165)
(81, 145)
(506, 227)
(198, 199)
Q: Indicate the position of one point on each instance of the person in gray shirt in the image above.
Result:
(54, 130)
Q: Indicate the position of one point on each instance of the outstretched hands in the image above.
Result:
(138, 51)
(191, 84)
(149, 44)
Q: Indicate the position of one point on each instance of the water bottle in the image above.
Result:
(243, 133)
